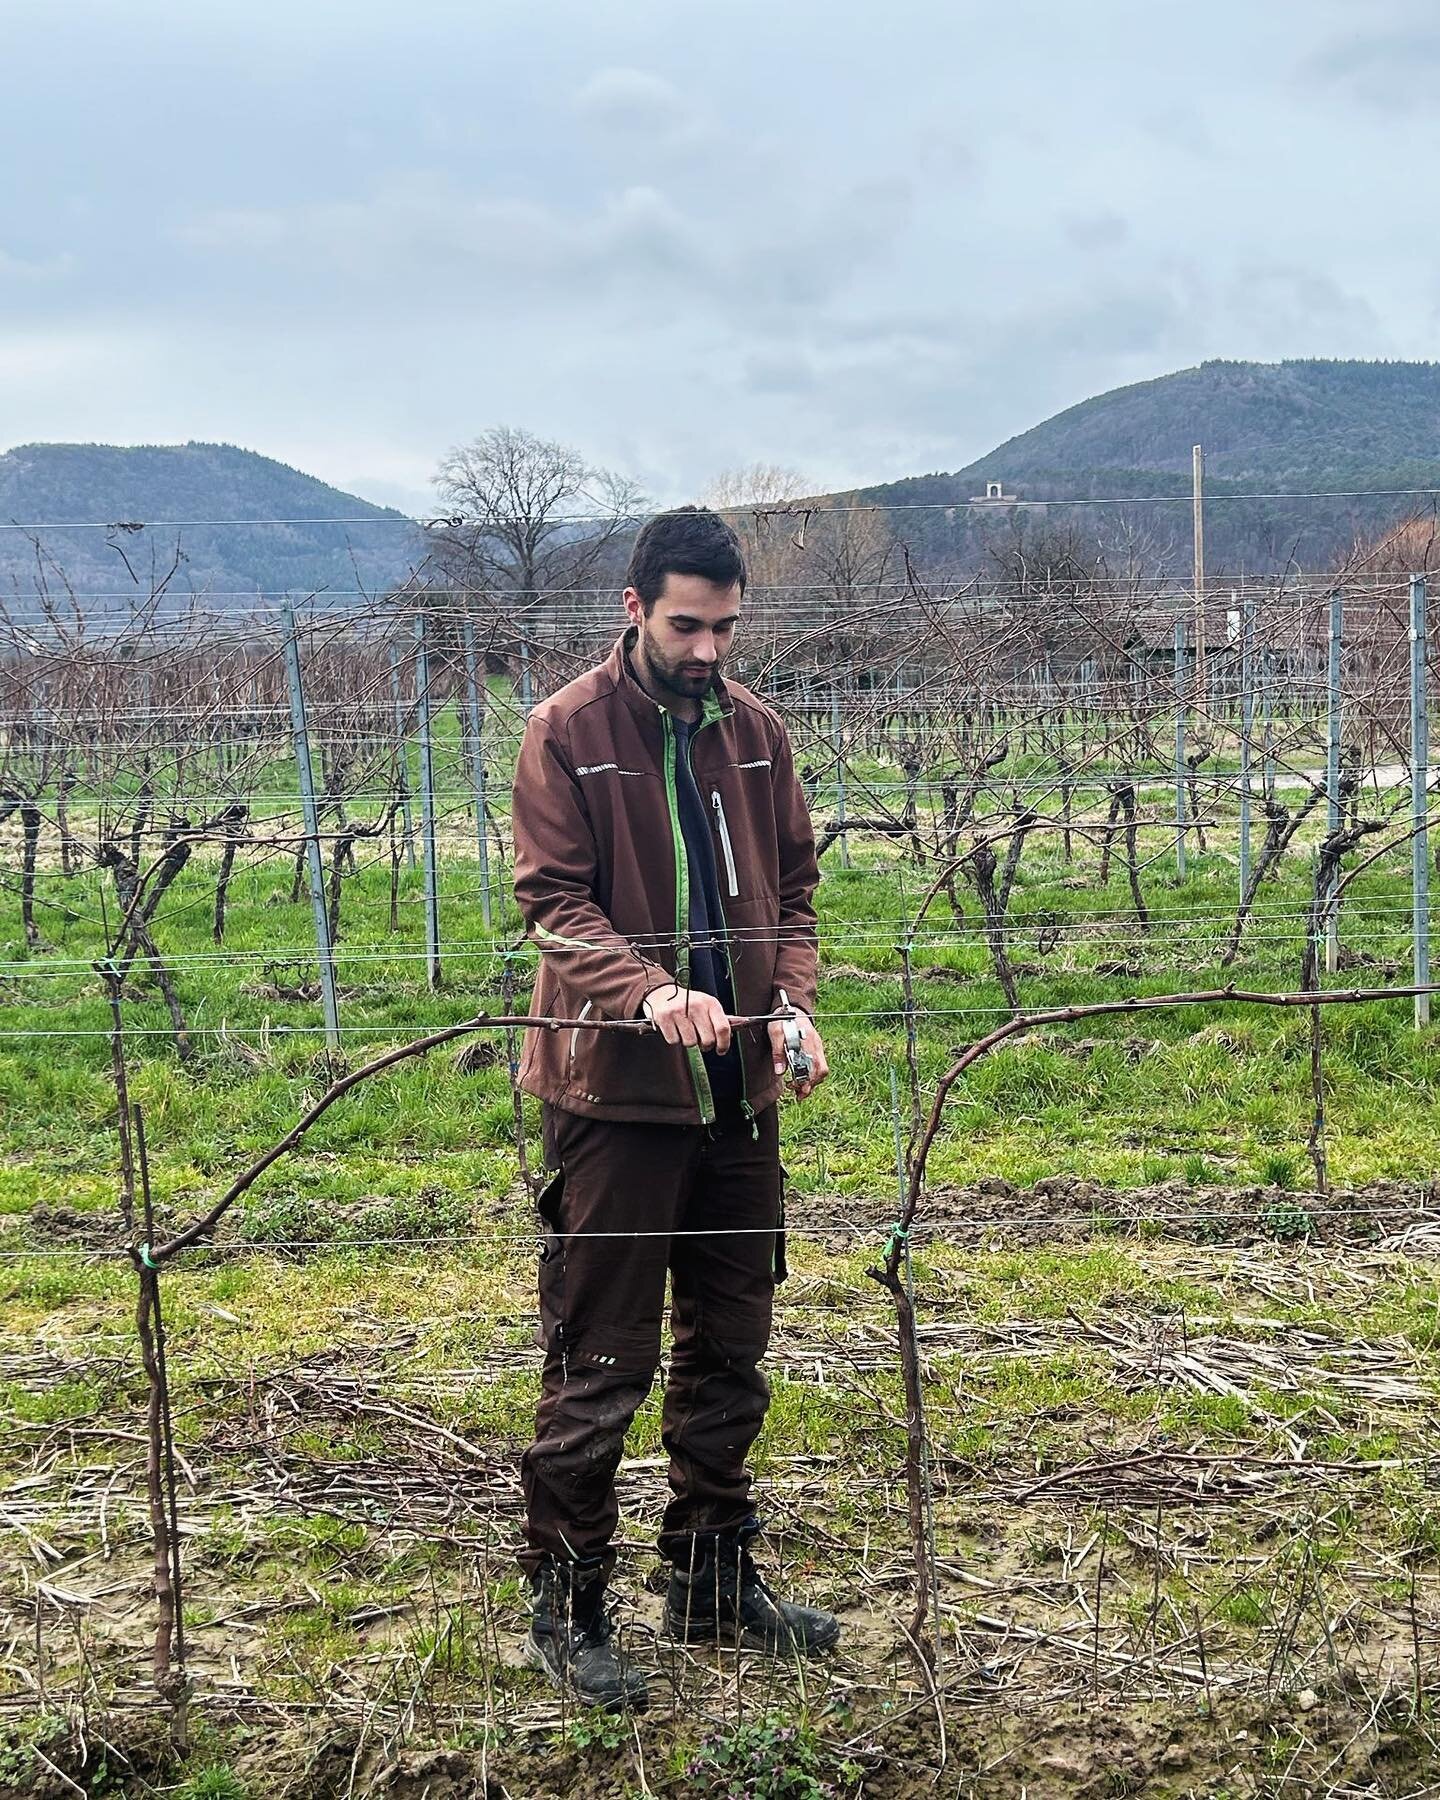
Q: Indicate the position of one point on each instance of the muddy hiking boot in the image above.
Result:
(721, 1598)
(572, 1639)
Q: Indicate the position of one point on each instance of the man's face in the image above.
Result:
(687, 634)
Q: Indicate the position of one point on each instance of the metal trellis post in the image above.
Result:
(402, 752)
(1247, 731)
(476, 710)
(300, 733)
(1179, 749)
(1332, 774)
(839, 774)
(427, 805)
(1419, 796)
(1267, 728)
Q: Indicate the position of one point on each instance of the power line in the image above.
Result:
(1159, 587)
(793, 511)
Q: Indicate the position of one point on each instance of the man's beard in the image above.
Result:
(672, 676)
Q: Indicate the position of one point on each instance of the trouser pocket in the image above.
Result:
(547, 1201)
(551, 1279)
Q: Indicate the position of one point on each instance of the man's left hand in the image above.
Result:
(811, 1043)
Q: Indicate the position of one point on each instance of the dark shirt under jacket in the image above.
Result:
(709, 957)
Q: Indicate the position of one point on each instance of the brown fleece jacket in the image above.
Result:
(602, 881)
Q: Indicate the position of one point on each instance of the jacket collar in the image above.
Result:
(715, 704)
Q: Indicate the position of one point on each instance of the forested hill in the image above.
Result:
(1266, 428)
(1342, 431)
(233, 563)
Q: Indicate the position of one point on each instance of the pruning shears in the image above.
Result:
(798, 1057)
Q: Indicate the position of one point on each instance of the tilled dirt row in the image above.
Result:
(1070, 1209)
(1401, 1215)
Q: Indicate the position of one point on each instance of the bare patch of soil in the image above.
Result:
(1069, 1209)
(1093, 1749)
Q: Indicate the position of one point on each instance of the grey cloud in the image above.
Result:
(635, 245)
(793, 238)
(1135, 317)
(810, 251)
(1389, 68)
(1179, 128)
(890, 327)
(641, 232)
(411, 228)
(961, 381)
(1297, 311)
(36, 268)
(780, 370)
(1096, 231)
(632, 100)
(944, 154)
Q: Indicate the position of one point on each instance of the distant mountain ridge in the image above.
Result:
(1297, 427)
(56, 484)
(1302, 426)
(1273, 422)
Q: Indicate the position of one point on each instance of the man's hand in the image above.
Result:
(810, 1042)
(687, 1016)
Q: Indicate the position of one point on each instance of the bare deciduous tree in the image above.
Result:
(527, 517)
(752, 497)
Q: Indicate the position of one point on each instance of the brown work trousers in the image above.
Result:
(619, 1211)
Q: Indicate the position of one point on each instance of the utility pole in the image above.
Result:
(1197, 501)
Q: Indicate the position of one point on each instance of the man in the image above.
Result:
(665, 866)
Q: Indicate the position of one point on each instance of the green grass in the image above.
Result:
(1219, 1095)
(215, 1782)
(440, 1319)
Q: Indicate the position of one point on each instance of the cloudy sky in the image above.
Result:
(860, 240)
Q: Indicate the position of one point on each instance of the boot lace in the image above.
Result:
(750, 1583)
(589, 1634)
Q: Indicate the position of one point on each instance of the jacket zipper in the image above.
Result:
(709, 714)
(725, 843)
(698, 1077)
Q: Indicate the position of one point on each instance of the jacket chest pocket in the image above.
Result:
(742, 829)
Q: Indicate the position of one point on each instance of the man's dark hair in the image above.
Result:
(691, 540)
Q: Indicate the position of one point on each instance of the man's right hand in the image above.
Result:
(687, 1016)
